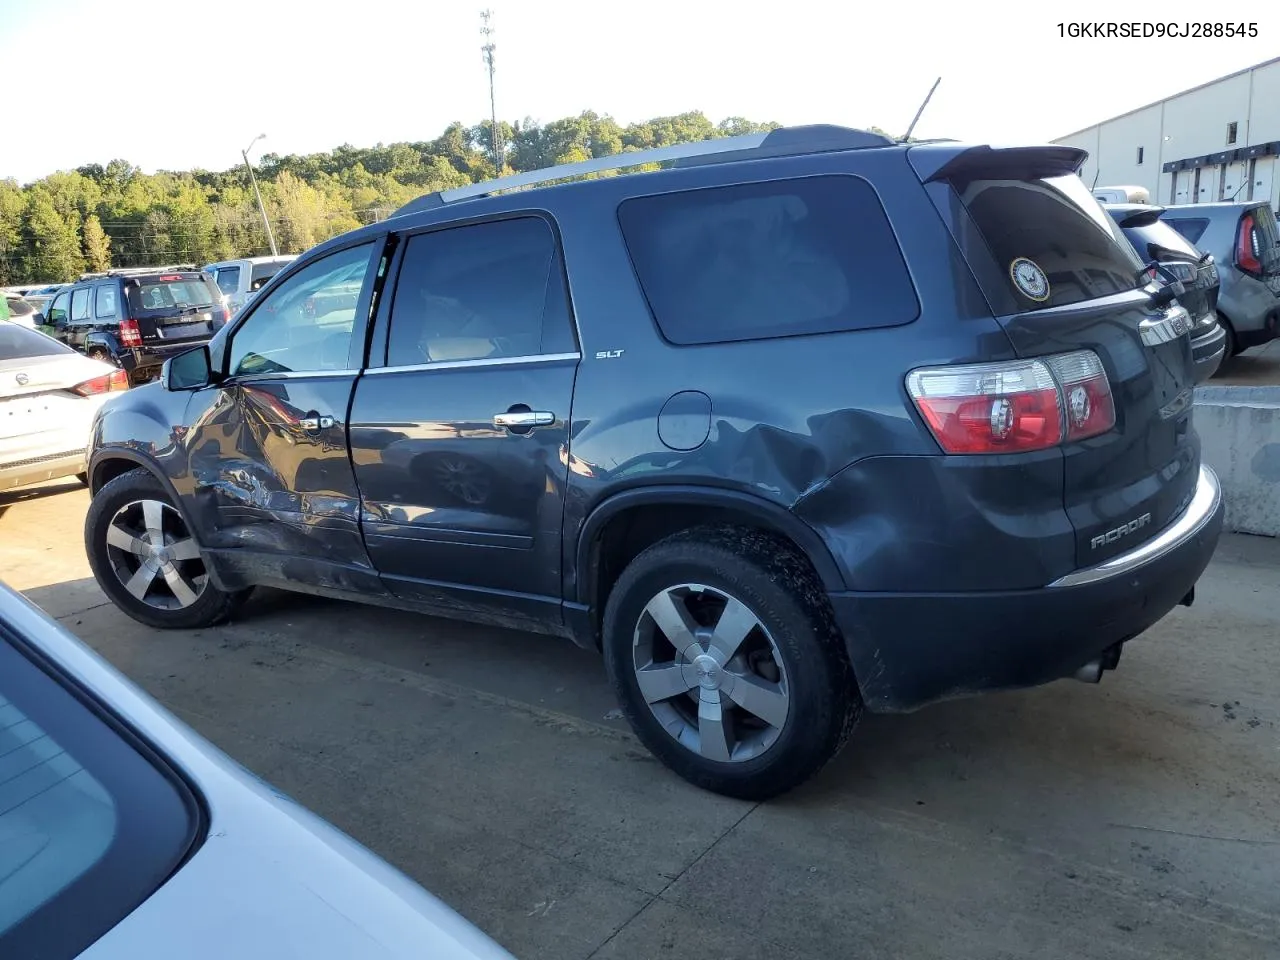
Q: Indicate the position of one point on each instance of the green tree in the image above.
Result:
(12, 261)
(53, 242)
(97, 245)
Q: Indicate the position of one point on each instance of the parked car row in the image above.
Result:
(791, 430)
(1242, 243)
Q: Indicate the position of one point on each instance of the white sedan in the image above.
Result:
(49, 394)
(124, 835)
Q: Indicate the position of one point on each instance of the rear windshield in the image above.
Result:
(20, 308)
(1159, 241)
(18, 343)
(1193, 230)
(1052, 241)
(163, 295)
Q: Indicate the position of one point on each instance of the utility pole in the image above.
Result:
(486, 30)
(258, 193)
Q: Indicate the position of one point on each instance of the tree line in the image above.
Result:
(97, 217)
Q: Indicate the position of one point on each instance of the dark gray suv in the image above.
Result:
(806, 423)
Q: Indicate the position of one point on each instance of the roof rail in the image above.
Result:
(136, 271)
(752, 146)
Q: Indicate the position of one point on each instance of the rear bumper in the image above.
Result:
(909, 650)
(1208, 350)
(152, 357)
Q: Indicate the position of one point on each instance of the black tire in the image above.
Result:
(83, 478)
(211, 606)
(98, 353)
(779, 588)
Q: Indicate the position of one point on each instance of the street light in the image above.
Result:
(258, 193)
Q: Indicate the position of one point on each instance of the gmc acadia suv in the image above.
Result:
(807, 422)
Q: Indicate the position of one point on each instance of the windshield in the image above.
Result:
(1052, 241)
(168, 295)
(19, 343)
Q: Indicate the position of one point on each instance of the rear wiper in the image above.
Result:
(1166, 294)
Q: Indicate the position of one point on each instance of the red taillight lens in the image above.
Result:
(130, 335)
(1247, 246)
(1086, 394)
(115, 380)
(989, 408)
(1014, 407)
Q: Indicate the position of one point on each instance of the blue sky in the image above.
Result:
(191, 85)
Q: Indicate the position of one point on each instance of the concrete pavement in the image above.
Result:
(1138, 818)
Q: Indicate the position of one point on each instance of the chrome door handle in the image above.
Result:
(316, 423)
(524, 418)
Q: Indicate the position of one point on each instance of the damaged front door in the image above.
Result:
(269, 453)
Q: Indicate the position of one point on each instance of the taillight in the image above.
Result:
(1247, 246)
(130, 335)
(1015, 406)
(107, 383)
(1086, 394)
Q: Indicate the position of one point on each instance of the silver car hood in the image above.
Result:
(271, 879)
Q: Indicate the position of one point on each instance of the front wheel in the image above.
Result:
(723, 652)
(146, 560)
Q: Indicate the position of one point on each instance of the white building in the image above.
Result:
(1218, 141)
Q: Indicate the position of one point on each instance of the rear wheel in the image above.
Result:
(146, 560)
(99, 353)
(723, 652)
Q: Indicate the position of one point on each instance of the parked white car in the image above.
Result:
(239, 280)
(124, 835)
(49, 395)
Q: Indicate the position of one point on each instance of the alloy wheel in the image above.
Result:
(154, 556)
(710, 673)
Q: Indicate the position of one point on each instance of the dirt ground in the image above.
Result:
(1137, 818)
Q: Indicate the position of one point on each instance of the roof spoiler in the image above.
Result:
(1143, 215)
(955, 163)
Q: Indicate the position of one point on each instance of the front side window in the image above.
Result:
(775, 259)
(306, 323)
(482, 292)
(58, 309)
(89, 827)
(80, 304)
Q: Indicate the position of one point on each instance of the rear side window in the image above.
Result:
(482, 292)
(89, 826)
(229, 279)
(1051, 240)
(105, 303)
(761, 260)
(1193, 230)
(80, 304)
(169, 295)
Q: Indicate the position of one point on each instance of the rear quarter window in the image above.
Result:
(762, 260)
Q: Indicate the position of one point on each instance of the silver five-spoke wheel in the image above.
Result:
(710, 673)
(154, 556)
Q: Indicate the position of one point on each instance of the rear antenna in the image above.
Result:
(907, 136)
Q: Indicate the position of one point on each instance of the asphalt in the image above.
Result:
(1137, 818)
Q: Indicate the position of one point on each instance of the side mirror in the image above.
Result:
(187, 371)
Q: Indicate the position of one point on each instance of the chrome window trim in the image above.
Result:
(1204, 504)
(482, 362)
(288, 375)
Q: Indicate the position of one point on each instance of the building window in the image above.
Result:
(1139, 156)
(1231, 132)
